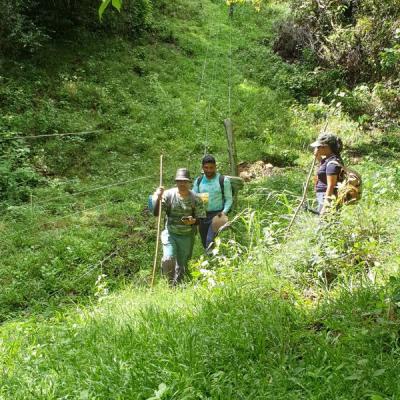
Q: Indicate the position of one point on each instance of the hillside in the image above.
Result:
(310, 315)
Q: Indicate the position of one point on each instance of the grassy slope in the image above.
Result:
(151, 96)
(256, 336)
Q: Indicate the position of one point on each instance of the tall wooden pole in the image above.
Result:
(158, 225)
(232, 154)
(231, 146)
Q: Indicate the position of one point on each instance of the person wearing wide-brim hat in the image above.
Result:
(327, 149)
(184, 210)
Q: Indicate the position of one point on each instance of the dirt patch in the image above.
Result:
(259, 169)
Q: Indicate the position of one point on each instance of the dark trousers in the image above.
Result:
(206, 233)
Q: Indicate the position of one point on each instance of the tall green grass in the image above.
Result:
(313, 315)
(167, 92)
(248, 337)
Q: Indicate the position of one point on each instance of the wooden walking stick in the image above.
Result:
(303, 198)
(158, 224)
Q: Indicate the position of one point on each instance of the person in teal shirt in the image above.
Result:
(183, 209)
(219, 190)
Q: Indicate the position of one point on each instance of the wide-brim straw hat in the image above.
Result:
(182, 174)
(218, 222)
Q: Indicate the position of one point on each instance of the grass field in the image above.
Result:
(312, 315)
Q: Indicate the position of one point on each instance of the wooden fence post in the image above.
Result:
(232, 153)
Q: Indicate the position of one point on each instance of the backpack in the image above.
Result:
(349, 185)
(237, 183)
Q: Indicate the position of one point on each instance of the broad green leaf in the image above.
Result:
(117, 4)
(104, 4)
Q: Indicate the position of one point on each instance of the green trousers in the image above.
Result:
(177, 251)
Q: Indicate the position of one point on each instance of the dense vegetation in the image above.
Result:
(349, 52)
(310, 315)
(30, 25)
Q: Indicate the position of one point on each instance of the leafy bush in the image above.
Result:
(27, 25)
(17, 175)
(354, 35)
(376, 104)
(18, 30)
(347, 44)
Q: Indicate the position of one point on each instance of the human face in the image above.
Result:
(322, 151)
(210, 170)
(183, 186)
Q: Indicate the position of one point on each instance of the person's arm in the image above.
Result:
(330, 192)
(331, 182)
(155, 200)
(228, 195)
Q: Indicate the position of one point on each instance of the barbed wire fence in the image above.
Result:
(40, 207)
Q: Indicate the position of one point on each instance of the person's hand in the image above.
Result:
(189, 220)
(221, 214)
(159, 192)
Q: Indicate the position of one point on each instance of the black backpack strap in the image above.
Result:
(221, 185)
(198, 181)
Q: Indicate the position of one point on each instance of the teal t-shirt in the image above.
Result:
(213, 188)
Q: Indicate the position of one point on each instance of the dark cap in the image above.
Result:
(182, 174)
(326, 139)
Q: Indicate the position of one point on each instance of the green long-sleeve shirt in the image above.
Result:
(177, 207)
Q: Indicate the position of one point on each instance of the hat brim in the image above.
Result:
(183, 179)
(317, 144)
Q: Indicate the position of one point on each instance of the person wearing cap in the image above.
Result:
(183, 209)
(218, 191)
(327, 149)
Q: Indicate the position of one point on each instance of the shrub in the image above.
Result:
(352, 44)
(355, 35)
(17, 176)
(18, 30)
(27, 25)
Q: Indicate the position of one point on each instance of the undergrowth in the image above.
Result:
(313, 314)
